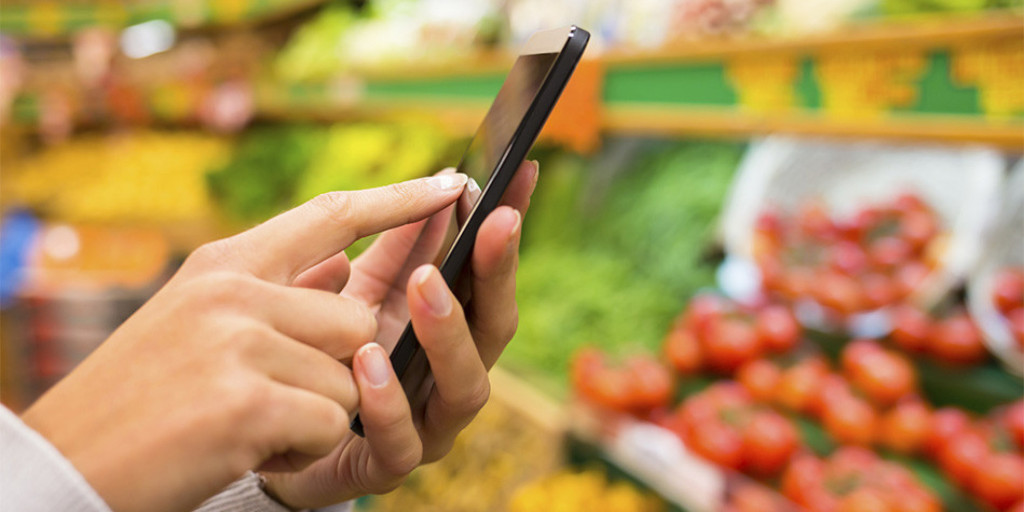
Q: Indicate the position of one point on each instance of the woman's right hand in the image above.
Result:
(228, 367)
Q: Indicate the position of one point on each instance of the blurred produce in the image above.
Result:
(140, 177)
(870, 259)
(313, 51)
(607, 259)
(261, 178)
(277, 167)
(855, 479)
(587, 490)
(504, 449)
(366, 155)
(909, 7)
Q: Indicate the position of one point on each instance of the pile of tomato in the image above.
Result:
(878, 256)
(767, 375)
(1008, 297)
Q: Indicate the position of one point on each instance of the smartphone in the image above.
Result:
(499, 146)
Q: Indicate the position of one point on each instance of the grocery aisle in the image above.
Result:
(775, 259)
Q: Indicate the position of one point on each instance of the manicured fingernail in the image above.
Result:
(536, 171)
(447, 181)
(376, 368)
(514, 224)
(474, 189)
(434, 290)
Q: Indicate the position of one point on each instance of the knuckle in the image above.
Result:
(402, 464)
(242, 400)
(210, 255)
(508, 330)
(221, 288)
(404, 193)
(337, 204)
(477, 397)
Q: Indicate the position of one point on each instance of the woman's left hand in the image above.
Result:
(460, 344)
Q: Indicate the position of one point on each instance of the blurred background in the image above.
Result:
(775, 260)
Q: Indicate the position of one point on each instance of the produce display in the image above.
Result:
(275, 168)
(151, 177)
(837, 422)
(610, 251)
(500, 455)
(871, 259)
(1008, 296)
(582, 490)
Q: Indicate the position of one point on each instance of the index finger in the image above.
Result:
(283, 247)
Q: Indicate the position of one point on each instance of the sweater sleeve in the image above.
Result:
(246, 495)
(34, 476)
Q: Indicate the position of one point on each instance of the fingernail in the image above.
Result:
(513, 226)
(434, 290)
(474, 190)
(447, 181)
(536, 174)
(376, 367)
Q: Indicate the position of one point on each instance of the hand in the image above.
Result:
(228, 367)
(461, 346)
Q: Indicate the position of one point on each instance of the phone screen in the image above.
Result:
(495, 134)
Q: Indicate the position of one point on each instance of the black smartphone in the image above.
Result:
(506, 135)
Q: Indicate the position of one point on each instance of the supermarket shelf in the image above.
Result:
(47, 20)
(676, 121)
(929, 80)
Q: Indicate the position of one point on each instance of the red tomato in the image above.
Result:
(963, 456)
(910, 276)
(855, 356)
(1018, 507)
(864, 500)
(683, 351)
(1013, 422)
(612, 390)
(769, 440)
(832, 388)
(910, 328)
(814, 221)
(777, 328)
(728, 395)
(946, 424)
(851, 421)
(650, 383)
(754, 498)
(760, 378)
(879, 290)
(839, 292)
(848, 258)
(799, 385)
(586, 368)
(1008, 289)
(1000, 482)
(803, 479)
(908, 202)
(918, 227)
(717, 443)
(889, 252)
(729, 344)
(702, 311)
(885, 377)
(697, 410)
(915, 500)
(797, 282)
(956, 340)
(904, 427)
